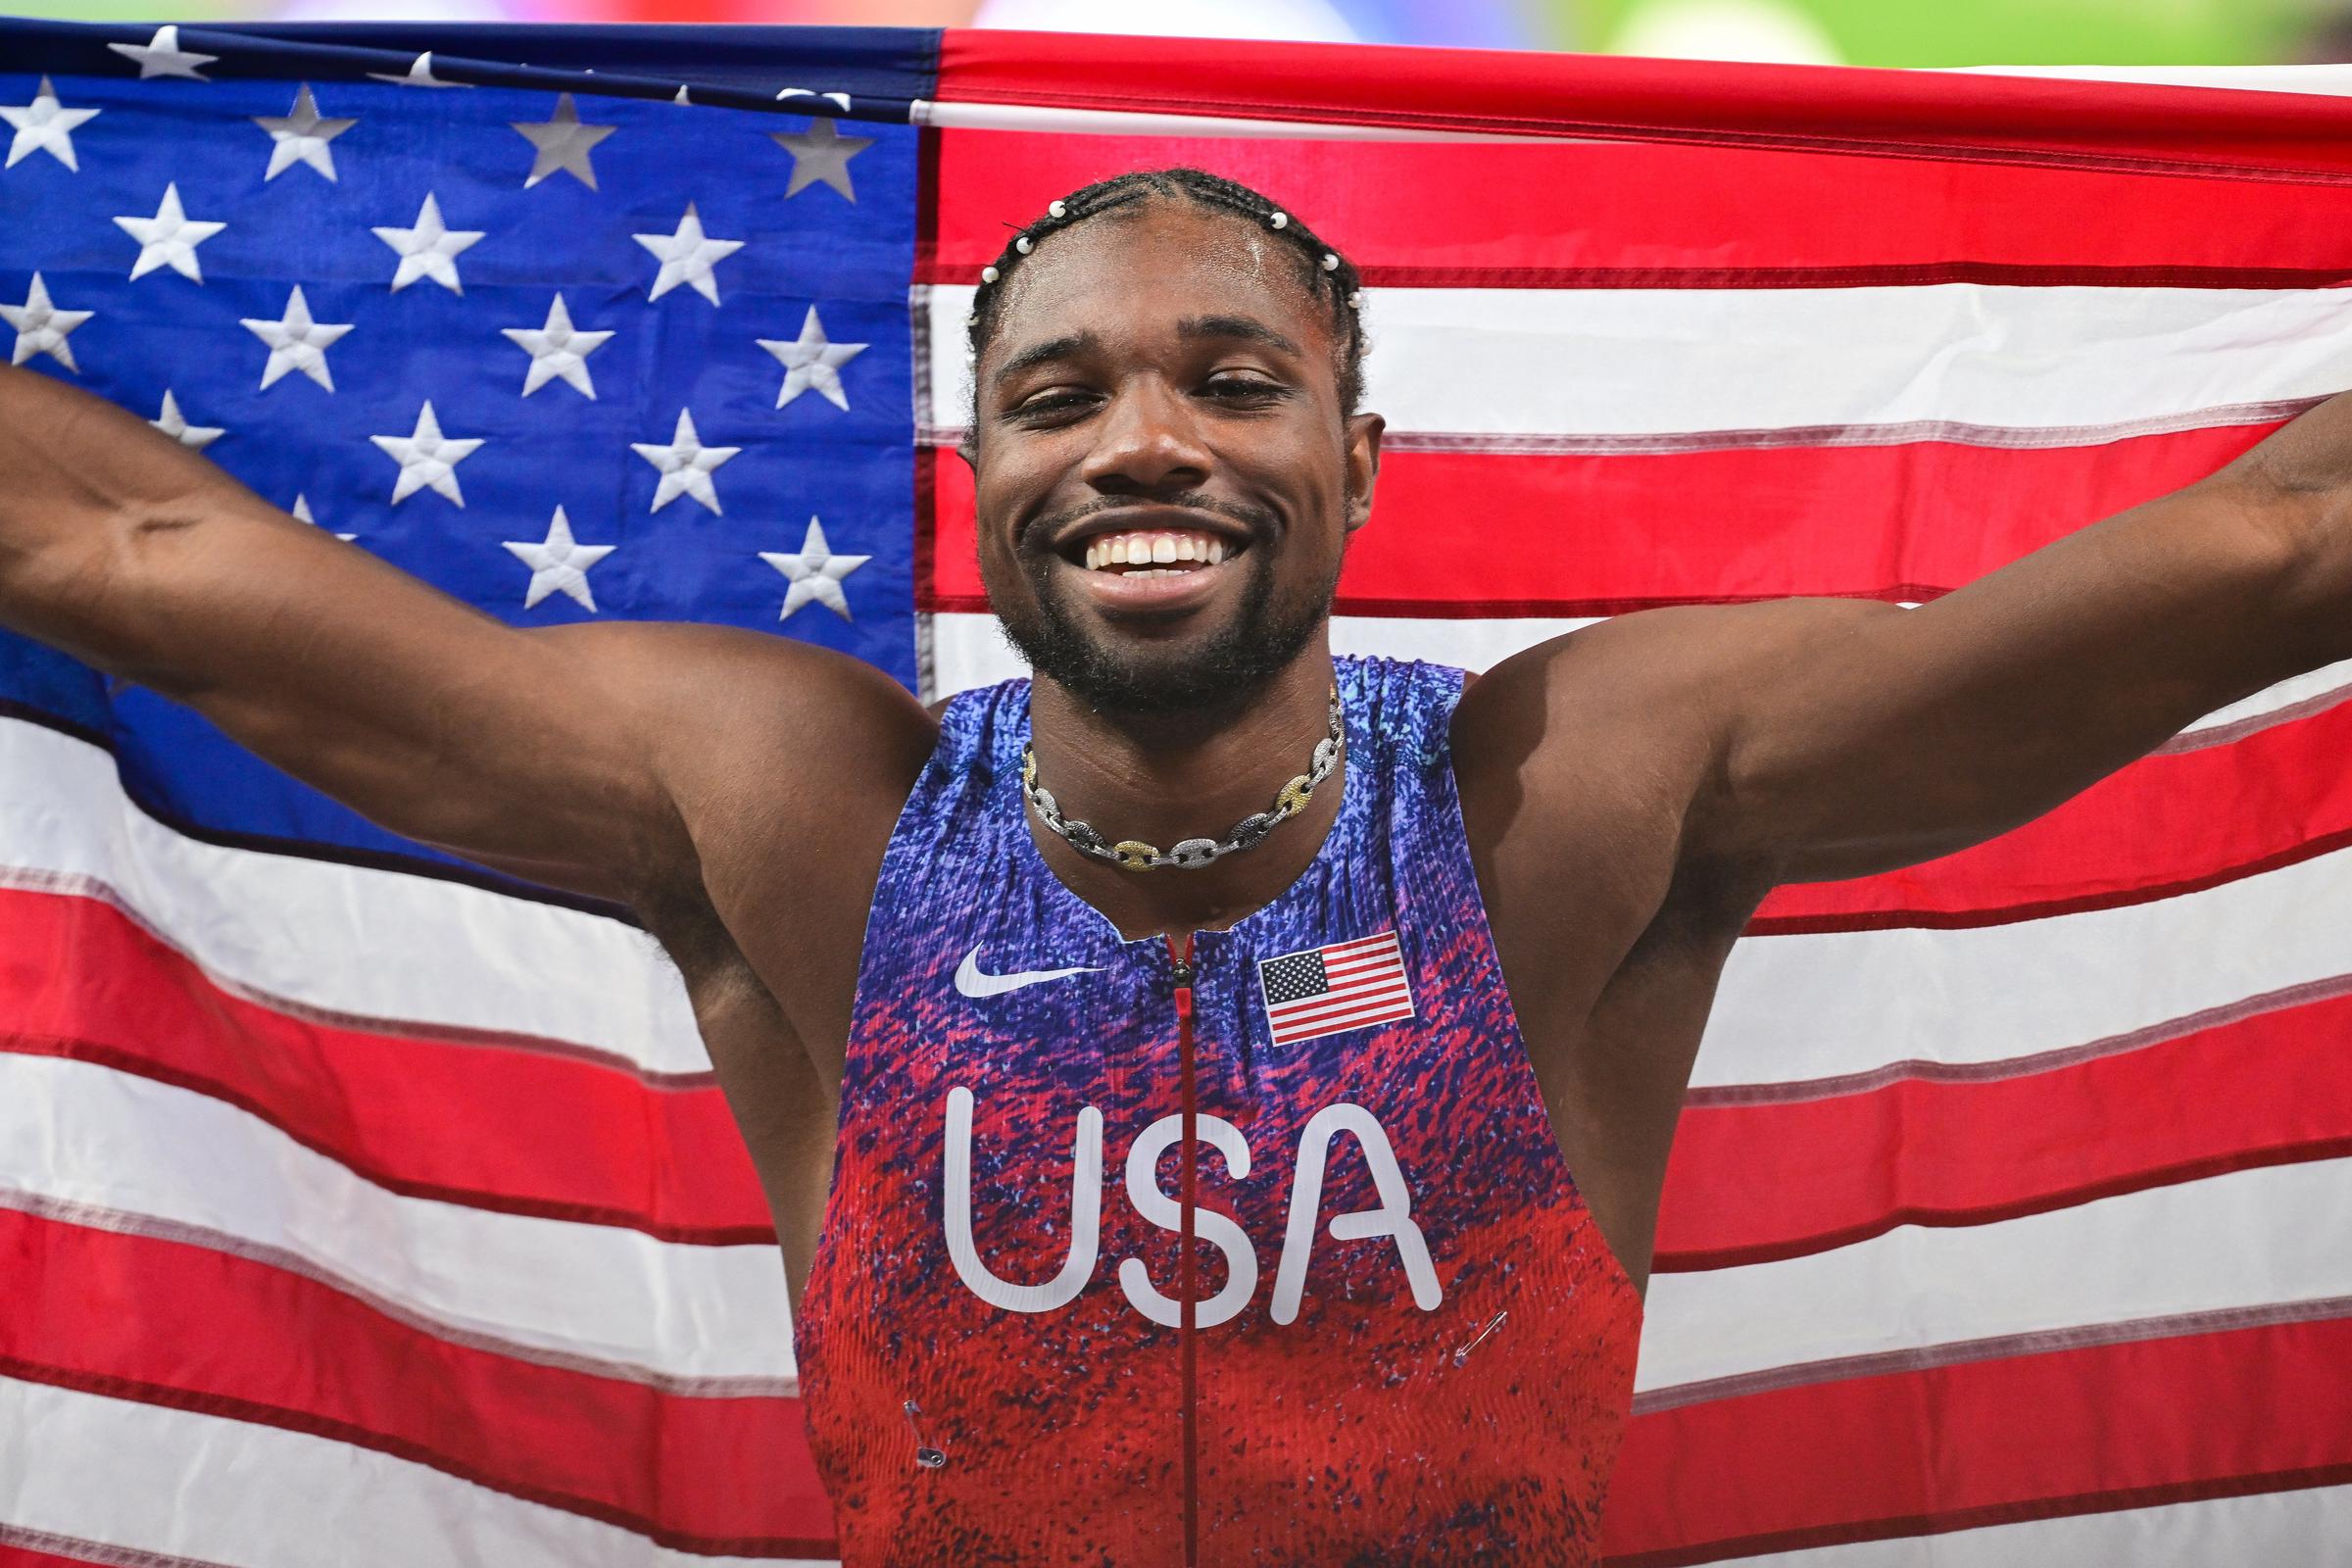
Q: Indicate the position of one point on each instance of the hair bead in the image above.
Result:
(1279, 220)
(1023, 245)
(987, 274)
(1331, 261)
(1355, 301)
(1057, 209)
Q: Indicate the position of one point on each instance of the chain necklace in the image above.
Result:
(1191, 853)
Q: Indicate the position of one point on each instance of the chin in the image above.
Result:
(1115, 672)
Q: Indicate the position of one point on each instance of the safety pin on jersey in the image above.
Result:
(927, 1456)
(1461, 1352)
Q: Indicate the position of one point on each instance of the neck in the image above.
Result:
(1163, 779)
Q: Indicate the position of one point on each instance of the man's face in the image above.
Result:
(1162, 384)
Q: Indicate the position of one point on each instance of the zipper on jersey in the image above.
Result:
(1180, 959)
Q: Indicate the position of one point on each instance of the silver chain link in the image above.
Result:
(1191, 853)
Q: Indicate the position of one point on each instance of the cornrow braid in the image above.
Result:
(1330, 279)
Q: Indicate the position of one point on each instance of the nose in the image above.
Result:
(1147, 442)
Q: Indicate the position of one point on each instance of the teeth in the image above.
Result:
(1152, 550)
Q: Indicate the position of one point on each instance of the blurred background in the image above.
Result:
(1869, 32)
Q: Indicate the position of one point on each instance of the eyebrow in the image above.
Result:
(1068, 346)
(1248, 329)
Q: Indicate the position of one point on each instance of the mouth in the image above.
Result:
(1131, 568)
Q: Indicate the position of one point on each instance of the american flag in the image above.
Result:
(1346, 985)
(352, 1195)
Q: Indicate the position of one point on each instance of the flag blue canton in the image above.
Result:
(720, 407)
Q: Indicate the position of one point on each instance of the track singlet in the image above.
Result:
(1403, 1341)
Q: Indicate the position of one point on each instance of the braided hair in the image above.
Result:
(1330, 279)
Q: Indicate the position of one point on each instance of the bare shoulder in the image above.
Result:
(1607, 749)
(714, 699)
(764, 745)
(787, 765)
(1662, 689)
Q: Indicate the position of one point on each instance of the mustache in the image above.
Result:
(1257, 519)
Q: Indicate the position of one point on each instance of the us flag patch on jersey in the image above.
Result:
(1347, 985)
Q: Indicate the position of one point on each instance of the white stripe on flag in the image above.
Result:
(74, 1133)
(2011, 365)
(1822, 1005)
(968, 650)
(2249, 1238)
(366, 945)
(147, 1479)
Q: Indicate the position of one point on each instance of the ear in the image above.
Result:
(1364, 432)
(968, 448)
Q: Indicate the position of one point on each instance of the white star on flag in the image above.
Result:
(558, 563)
(420, 74)
(557, 350)
(300, 136)
(812, 361)
(686, 464)
(45, 126)
(563, 144)
(820, 155)
(296, 342)
(816, 573)
(687, 256)
(162, 56)
(41, 327)
(173, 423)
(428, 458)
(428, 250)
(302, 513)
(168, 239)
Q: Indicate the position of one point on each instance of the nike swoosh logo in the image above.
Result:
(973, 982)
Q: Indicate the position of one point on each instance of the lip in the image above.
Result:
(1115, 594)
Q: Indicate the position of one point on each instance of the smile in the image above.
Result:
(1164, 552)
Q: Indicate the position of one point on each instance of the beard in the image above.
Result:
(1264, 635)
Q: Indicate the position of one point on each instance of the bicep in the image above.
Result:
(1858, 737)
(522, 749)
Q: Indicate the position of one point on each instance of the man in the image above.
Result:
(1380, 1057)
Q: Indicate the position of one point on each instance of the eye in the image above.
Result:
(1235, 386)
(1047, 404)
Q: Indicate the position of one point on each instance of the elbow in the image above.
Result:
(2299, 551)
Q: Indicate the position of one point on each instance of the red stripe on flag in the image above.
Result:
(193, 1329)
(516, 1131)
(1751, 1183)
(1990, 1441)
(1480, 534)
(1886, 113)
(20, 1557)
(1652, 216)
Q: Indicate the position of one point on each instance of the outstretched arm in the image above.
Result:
(562, 755)
(1855, 737)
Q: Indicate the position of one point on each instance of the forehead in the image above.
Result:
(1125, 273)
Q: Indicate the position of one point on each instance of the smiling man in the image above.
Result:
(1214, 1097)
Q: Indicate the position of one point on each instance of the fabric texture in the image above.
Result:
(1443, 1379)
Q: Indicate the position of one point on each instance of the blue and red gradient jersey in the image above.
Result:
(1398, 1336)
